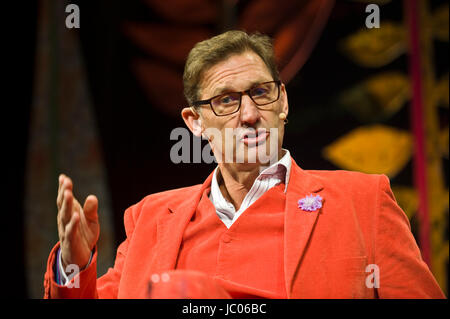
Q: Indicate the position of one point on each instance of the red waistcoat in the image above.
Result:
(255, 239)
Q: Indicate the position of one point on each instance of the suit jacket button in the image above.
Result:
(226, 238)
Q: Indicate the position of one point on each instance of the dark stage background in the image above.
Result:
(133, 127)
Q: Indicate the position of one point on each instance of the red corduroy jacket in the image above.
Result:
(360, 232)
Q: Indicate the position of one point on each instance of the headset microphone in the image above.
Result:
(282, 116)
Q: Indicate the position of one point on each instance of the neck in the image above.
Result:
(235, 180)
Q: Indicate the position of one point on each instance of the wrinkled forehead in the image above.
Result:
(235, 73)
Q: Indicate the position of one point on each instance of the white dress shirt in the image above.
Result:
(268, 178)
(64, 279)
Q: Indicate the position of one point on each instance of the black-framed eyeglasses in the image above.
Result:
(262, 95)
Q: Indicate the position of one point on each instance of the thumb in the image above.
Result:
(90, 208)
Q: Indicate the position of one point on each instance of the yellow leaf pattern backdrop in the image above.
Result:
(381, 149)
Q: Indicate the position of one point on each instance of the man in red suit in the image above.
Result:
(257, 227)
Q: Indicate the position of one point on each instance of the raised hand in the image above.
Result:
(78, 227)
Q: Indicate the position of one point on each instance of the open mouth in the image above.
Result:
(253, 138)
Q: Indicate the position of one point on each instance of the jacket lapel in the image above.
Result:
(297, 227)
(170, 229)
(298, 224)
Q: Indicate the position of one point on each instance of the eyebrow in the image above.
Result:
(225, 89)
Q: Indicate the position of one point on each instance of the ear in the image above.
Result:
(192, 120)
(284, 100)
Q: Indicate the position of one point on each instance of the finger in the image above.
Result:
(90, 208)
(61, 180)
(66, 184)
(66, 208)
(60, 227)
(72, 227)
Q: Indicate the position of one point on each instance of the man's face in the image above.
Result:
(255, 130)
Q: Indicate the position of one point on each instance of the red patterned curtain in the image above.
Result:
(294, 25)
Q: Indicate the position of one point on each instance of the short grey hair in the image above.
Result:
(207, 53)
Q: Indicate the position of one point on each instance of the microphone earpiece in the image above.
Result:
(282, 116)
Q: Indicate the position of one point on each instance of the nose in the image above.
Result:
(249, 112)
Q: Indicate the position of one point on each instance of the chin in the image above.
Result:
(261, 154)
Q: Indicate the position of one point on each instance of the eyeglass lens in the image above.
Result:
(263, 94)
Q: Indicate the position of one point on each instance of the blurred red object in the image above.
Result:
(184, 284)
(294, 25)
